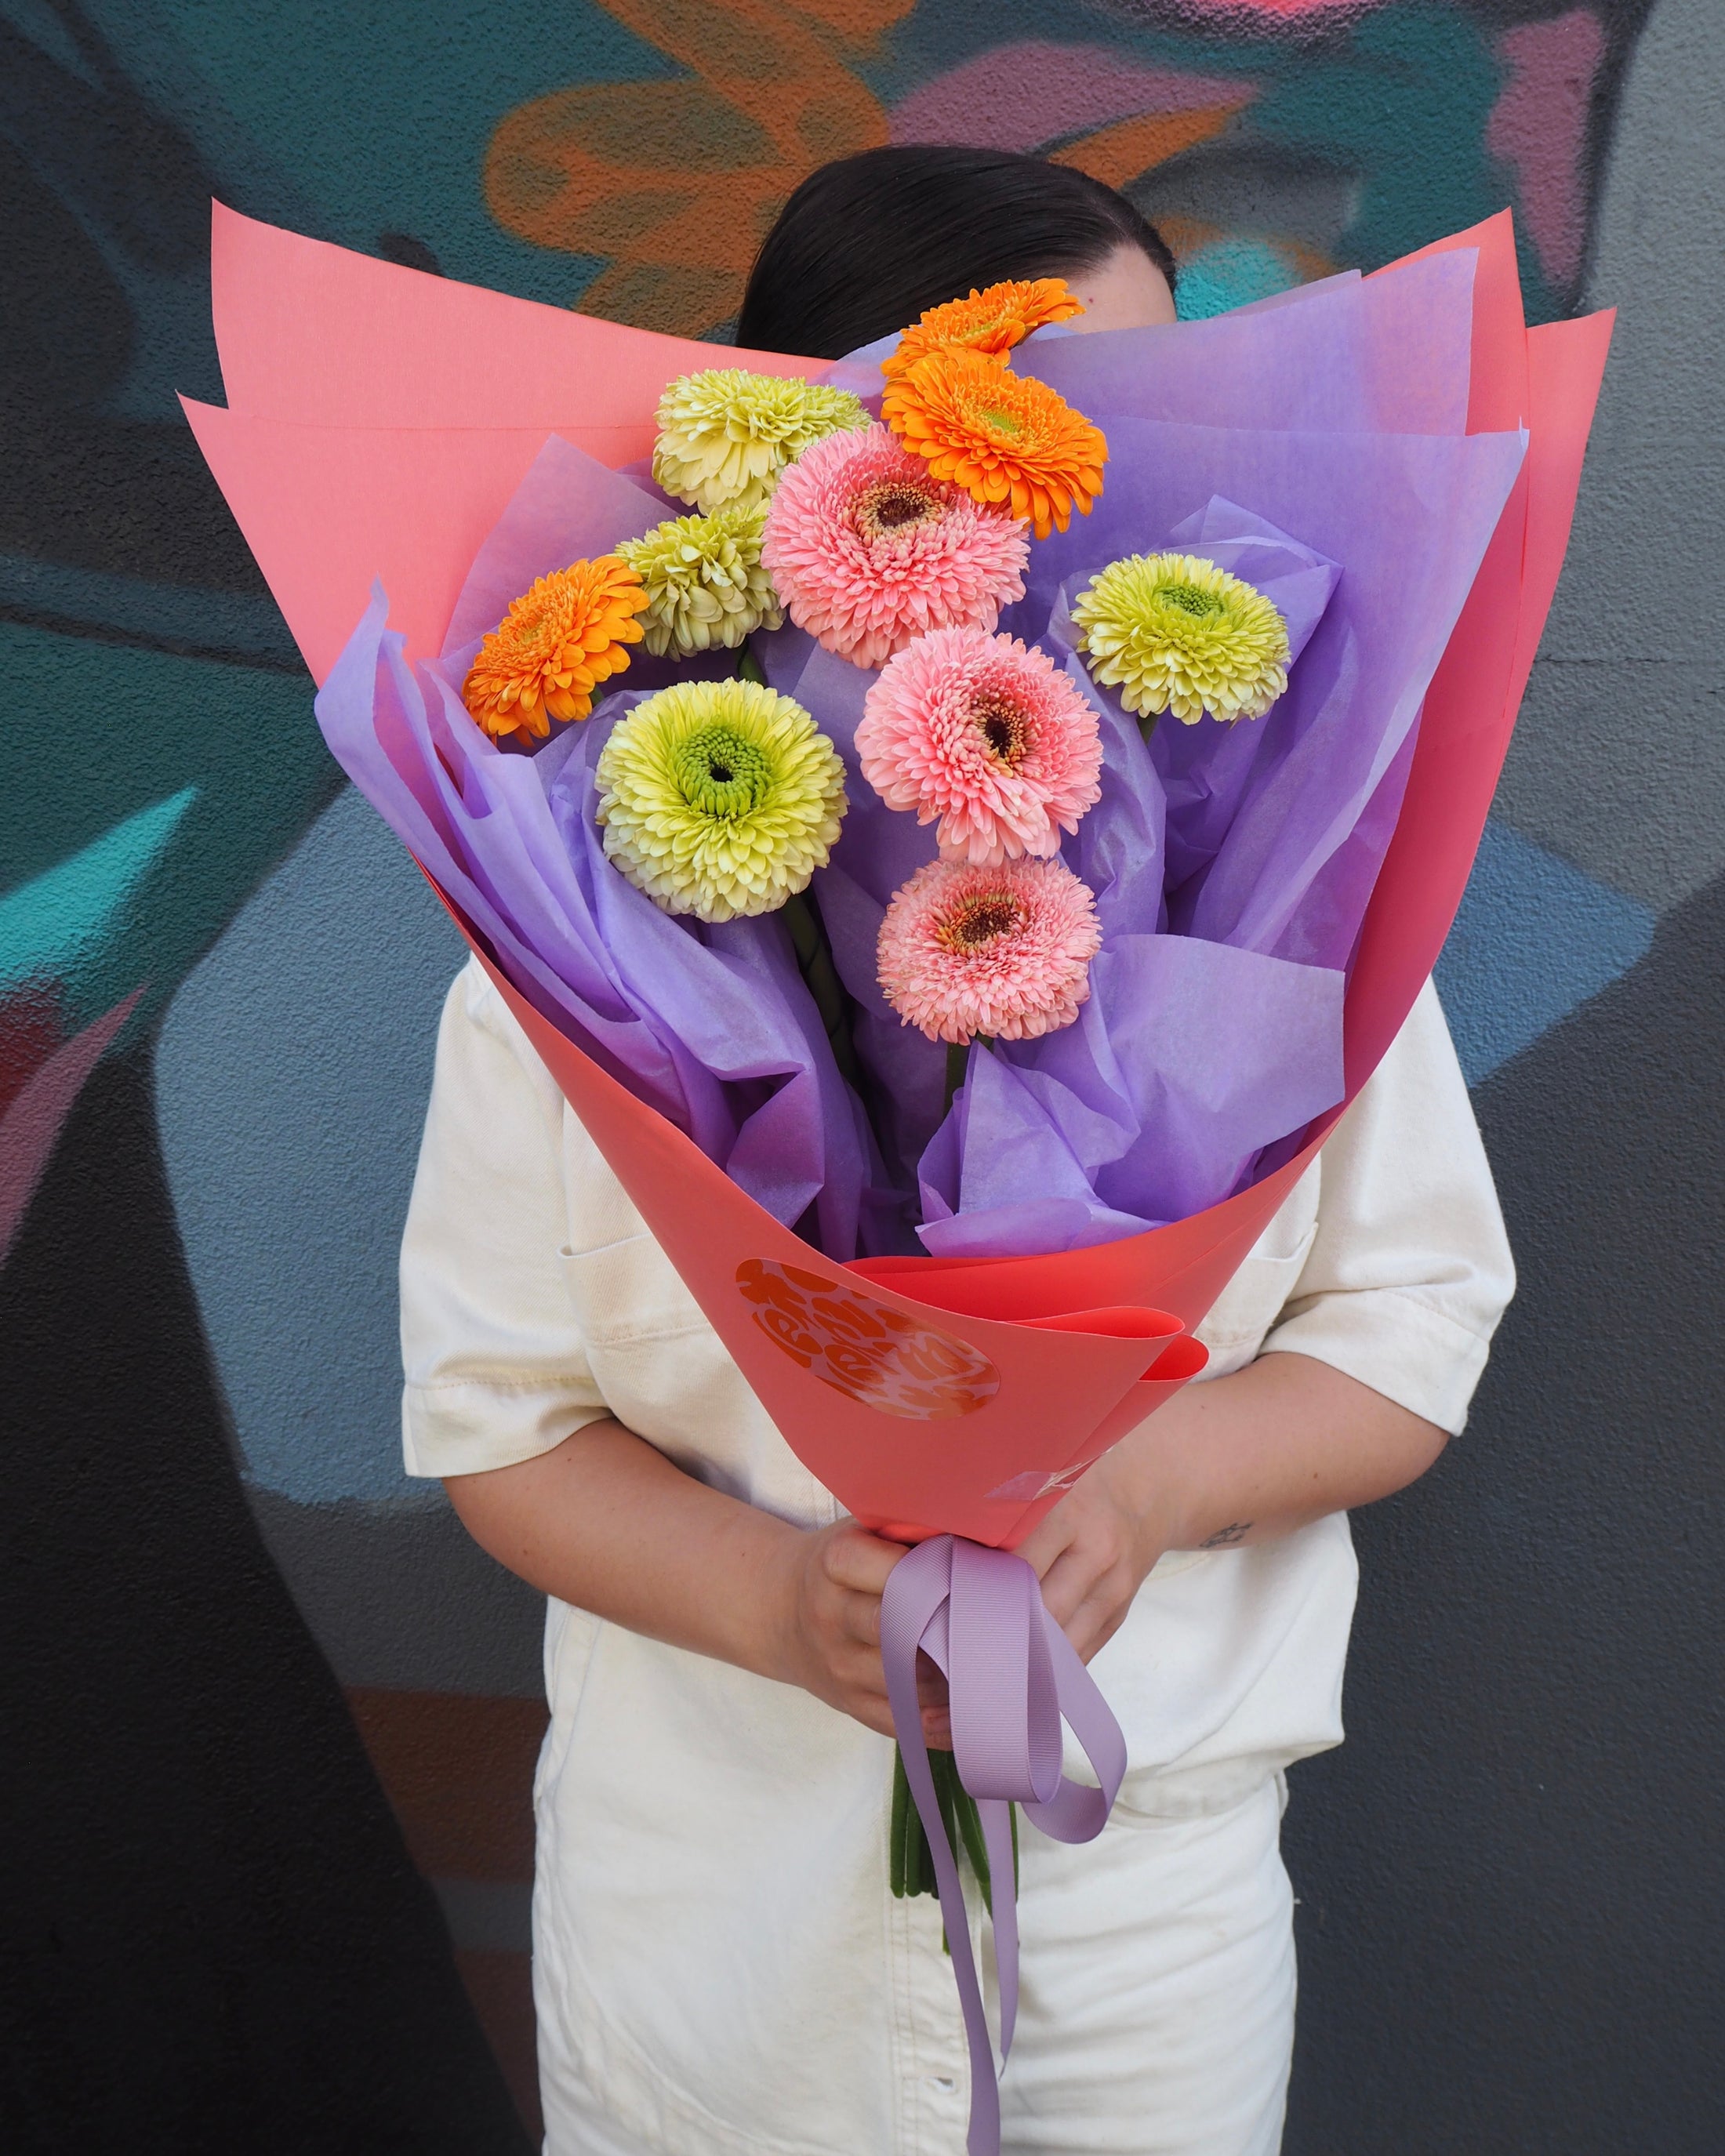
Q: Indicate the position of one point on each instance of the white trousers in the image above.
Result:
(1156, 2014)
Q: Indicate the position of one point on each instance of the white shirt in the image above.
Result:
(712, 1890)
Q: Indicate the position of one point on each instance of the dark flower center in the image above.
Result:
(980, 919)
(896, 504)
(1003, 726)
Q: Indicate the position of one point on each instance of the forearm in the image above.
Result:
(607, 1522)
(1254, 1455)
(1241, 1459)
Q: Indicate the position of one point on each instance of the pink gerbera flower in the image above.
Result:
(866, 550)
(989, 737)
(1002, 951)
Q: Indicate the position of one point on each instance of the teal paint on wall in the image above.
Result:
(374, 114)
(1534, 939)
(141, 726)
(1404, 103)
(1232, 273)
(60, 926)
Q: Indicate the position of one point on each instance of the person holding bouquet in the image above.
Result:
(720, 1963)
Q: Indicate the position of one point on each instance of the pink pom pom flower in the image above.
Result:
(1002, 951)
(989, 737)
(866, 550)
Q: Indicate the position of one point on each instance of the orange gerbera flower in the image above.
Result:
(1008, 440)
(991, 321)
(555, 645)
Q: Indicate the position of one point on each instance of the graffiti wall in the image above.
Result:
(270, 1719)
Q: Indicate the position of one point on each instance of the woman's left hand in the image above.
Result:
(1093, 1551)
(1235, 1460)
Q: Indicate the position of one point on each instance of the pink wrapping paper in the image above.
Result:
(379, 421)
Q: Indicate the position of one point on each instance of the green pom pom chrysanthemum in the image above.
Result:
(1173, 633)
(704, 580)
(719, 798)
(724, 435)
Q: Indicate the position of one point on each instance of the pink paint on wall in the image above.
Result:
(1019, 96)
(32, 1117)
(1250, 15)
(1538, 126)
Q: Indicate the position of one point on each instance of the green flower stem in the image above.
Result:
(814, 961)
(958, 1063)
(808, 939)
(911, 1862)
(820, 976)
(909, 1843)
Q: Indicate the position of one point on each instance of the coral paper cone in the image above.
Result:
(919, 1424)
(928, 1394)
(328, 509)
(321, 336)
(378, 419)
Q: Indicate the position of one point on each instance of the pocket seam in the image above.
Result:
(1296, 1256)
(568, 1256)
(597, 1338)
(684, 1329)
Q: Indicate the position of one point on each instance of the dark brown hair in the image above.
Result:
(867, 243)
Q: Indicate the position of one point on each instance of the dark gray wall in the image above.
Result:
(1513, 1876)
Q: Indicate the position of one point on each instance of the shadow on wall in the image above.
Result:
(215, 1937)
(1512, 1879)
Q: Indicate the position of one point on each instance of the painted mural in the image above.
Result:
(210, 1083)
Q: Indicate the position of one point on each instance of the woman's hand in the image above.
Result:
(606, 1522)
(1094, 1550)
(1239, 1458)
(828, 1628)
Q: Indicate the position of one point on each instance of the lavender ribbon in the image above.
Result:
(1012, 1675)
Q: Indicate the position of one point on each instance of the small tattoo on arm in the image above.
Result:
(1236, 1531)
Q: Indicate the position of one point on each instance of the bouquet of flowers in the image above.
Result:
(959, 825)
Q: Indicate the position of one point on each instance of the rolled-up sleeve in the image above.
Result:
(495, 1365)
(1410, 1269)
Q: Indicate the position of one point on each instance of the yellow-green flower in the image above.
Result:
(719, 798)
(724, 435)
(705, 582)
(1173, 633)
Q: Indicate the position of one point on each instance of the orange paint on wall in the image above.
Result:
(458, 1769)
(1118, 153)
(678, 182)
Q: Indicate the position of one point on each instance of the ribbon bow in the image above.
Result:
(1012, 1675)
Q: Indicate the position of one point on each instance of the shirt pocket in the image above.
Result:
(627, 1291)
(1250, 1305)
(571, 1634)
(664, 1372)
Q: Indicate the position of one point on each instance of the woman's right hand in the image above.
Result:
(828, 1627)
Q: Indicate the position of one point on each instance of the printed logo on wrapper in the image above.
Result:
(869, 1352)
